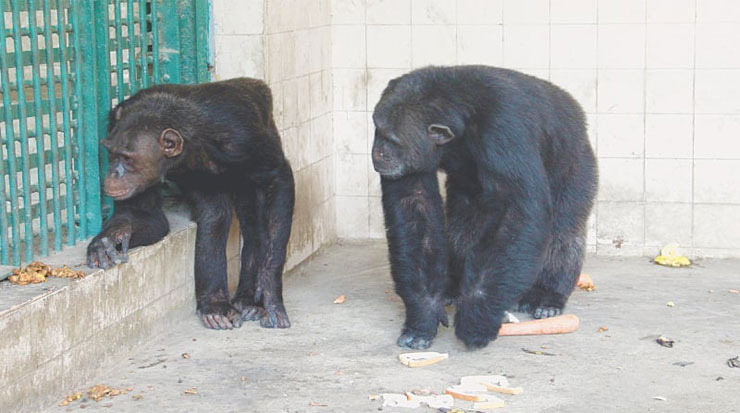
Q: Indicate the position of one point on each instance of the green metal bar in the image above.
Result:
(51, 92)
(103, 103)
(171, 41)
(68, 156)
(130, 28)
(38, 123)
(143, 52)
(11, 170)
(184, 27)
(80, 114)
(156, 76)
(119, 47)
(95, 15)
(202, 52)
(23, 131)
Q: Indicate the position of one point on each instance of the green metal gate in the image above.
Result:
(63, 65)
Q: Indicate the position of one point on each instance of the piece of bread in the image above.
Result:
(495, 383)
(471, 393)
(421, 359)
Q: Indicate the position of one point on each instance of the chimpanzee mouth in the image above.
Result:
(119, 195)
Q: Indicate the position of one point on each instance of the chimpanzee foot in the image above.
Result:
(415, 340)
(275, 317)
(546, 312)
(249, 311)
(220, 316)
(542, 303)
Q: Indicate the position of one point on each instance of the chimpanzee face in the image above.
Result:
(405, 144)
(138, 156)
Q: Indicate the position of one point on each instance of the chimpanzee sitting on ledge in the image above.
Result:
(521, 179)
(218, 142)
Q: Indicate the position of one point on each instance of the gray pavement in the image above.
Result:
(336, 355)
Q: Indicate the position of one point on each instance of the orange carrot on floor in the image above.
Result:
(566, 323)
(585, 281)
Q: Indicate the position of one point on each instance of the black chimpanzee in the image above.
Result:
(218, 142)
(521, 179)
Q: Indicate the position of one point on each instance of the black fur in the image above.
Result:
(232, 159)
(521, 180)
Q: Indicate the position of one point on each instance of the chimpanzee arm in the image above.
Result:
(417, 244)
(505, 261)
(278, 198)
(135, 222)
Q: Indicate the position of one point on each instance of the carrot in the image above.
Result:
(585, 282)
(566, 323)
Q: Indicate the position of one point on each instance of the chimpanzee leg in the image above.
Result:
(213, 214)
(276, 199)
(418, 253)
(251, 220)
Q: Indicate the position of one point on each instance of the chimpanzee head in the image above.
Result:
(141, 148)
(413, 122)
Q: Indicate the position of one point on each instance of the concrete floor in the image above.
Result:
(338, 355)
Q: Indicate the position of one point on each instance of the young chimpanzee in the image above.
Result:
(218, 142)
(521, 179)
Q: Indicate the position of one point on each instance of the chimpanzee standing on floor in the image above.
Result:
(218, 142)
(521, 180)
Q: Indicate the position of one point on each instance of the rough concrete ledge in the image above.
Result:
(60, 334)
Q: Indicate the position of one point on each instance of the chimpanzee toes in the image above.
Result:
(249, 312)
(414, 340)
(220, 317)
(275, 318)
(476, 341)
(546, 312)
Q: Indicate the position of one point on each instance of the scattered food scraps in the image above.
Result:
(244, 378)
(398, 400)
(191, 390)
(185, 355)
(537, 352)
(489, 405)
(585, 282)
(37, 272)
(100, 391)
(69, 399)
(602, 329)
(665, 342)
(734, 362)
(670, 304)
(661, 398)
(314, 404)
(421, 359)
(494, 383)
(137, 397)
(733, 291)
(472, 393)
(509, 318)
(671, 257)
(435, 401)
(683, 363)
(561, 324)
(341, 299)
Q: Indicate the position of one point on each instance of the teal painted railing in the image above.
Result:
(63, 65)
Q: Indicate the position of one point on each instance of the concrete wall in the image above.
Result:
(659, 80)
(287, 44)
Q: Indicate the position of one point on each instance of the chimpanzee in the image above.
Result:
(521, 180)
(218, 142)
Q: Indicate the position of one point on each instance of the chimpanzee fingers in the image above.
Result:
(103, 261)
(125, 240)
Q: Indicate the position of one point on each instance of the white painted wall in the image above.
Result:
(659, 80)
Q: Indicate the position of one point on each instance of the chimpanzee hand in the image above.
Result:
(110, 247)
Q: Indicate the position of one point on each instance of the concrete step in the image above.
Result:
(61, 333)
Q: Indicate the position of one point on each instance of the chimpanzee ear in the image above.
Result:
(171, 142)
(441, 134)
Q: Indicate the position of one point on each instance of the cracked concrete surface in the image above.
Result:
(338, 354)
